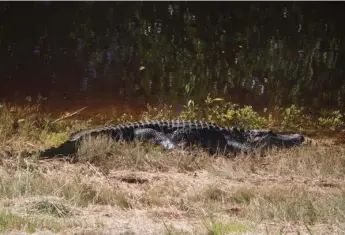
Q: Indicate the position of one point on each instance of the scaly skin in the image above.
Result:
(167, 133)
(127, 129)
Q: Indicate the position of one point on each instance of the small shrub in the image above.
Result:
(224, 113)
(189, 111)
(291, 116)
(331, 120)
(245, 117)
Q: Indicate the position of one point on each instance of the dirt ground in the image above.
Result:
(143, 190)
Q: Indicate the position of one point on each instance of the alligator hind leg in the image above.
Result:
(156, 137)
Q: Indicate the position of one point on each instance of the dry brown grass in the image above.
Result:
(118, 188)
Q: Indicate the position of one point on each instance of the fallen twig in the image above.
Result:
(69, 114)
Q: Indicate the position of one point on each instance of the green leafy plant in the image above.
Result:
(224, 113)
(190, 111)
(292, 117)
(331, 120)
(245, 117)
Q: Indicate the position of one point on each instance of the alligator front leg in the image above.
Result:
(213, 141)
(237, 146)
(156, 137)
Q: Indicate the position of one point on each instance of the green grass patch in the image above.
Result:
(13, 222)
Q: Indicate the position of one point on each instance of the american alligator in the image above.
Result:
(170, 133)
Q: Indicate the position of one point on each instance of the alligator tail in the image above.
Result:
(65, 149)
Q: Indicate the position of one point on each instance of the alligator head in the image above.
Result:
(267, 138)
